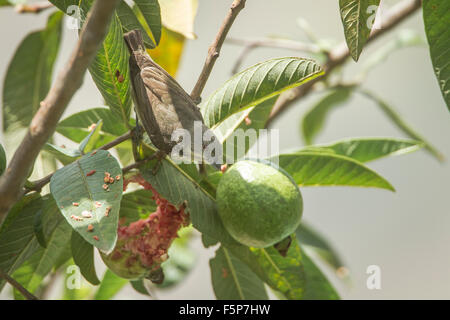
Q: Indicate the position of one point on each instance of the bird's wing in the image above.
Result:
(169, 91)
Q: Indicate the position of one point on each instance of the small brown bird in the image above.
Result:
(161, 104)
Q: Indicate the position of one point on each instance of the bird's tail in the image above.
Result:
(134, 40)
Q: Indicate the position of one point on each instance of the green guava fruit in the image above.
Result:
(258, 203)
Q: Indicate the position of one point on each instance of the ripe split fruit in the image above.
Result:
(259, 204)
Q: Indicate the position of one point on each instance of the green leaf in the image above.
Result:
(357, 17)
(232, 132)
(436, 16)
(317, 285)
(72, 291)
(178, 188)
(29, 76)
(2, 160)
(233, 280)
(314, 119)
(369, 149)
(89, 143)
(110, 286)
(78, 189)
(136, 205)
(109, 71)
(18, 241)
(284, 274)
(83, 256)
(38, 227)
(64, 155)
(182, 260)
(32, 273)
(257, 84)
(398, 121)
(307, 236)
(151, 13)
(130, 22)
(70, 126)
(139, 286)
(326, 169)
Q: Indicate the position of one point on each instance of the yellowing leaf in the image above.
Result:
(179, 16)
(168, 53)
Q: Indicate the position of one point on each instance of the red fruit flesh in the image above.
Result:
(142, 245)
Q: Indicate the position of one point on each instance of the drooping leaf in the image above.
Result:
(89, 204)
(38, 228)
(233, 280)
(240, 131)
(284, 274)
(18, 241)
(179, 16)
(29, 76)
(110, 286)
(357, 17)
(436, 16)
(139, 286)
(257, 84)
(151, 13)
(398, 121)
(178, 188)
(310, 168)
(83, 256)
(2, 160)
(369, 149)
(63, 154)
(317, 285)
(130, 22)
(32, 273)
(314, 119)
(168, 53)
(307, 236)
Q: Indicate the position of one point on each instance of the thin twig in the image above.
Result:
(33, 7)
(117, 141)
(214, 49)
(250, 44)
(137, 164)
(45, 120)
(28, 295)
(39, 184)
(340, 54)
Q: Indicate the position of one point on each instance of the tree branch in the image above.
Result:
(214, 49)
(340, 54)
(28, 295)
(45, 120)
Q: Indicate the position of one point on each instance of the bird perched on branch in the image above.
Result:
(162, 105)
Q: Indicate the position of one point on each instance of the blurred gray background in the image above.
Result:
(405, 233)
